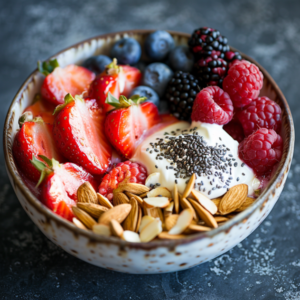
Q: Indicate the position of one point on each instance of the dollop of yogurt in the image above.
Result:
(181, 149)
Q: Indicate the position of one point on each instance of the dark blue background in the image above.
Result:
(265, 266)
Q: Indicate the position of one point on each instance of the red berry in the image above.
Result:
(261, 150)
(212, 105)
(260, 113)
(243, 83)
(136, 172)
(235, 130)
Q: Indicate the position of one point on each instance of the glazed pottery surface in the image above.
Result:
(157, 256)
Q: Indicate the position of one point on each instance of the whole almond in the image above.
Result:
(166, 236)
(137, 198)
(131, 220)
(171, 221)
(120, 198)
(184, 203)
(144, 195)
(115, 228)
(134, 188)
(118, 213)
(204, 214)
(189, 186)
(86, 193)
(176, 199)
(233, 199)
(198, 228)
(78, 224)
(104, 201)
(85, 218)
(94, 210)
(246, 204)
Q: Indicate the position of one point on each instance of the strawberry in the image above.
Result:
(116, 80)
(127, 125)
(61, 81)
(79, 134)
(59, 184)
(34, 138)
(41, 108)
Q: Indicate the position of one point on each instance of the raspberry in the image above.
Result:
(260, 113)
(122, 170)
(212, 105)
(243, 83)
(261, 150)
(235, 130)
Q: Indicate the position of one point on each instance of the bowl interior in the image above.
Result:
(101, 45)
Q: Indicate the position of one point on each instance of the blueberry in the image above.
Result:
(157, 76)
(181, 59)
(127, 51)
(97, 63)
(158, 44)
(146, 91)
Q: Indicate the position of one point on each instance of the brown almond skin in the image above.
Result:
(184, 203)
(94, 210)
(132, 218)
(86, 193)
(104, 201)
(171, 221)
(189, 186)
(115, 228)
(83, 217)
(118, 213)
(120, 198)
(246, 204)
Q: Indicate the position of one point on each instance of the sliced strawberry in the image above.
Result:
(126, 126)
(64, 211)
(133, 77)
(79, 134)
(43, 109)
(71, 79)
(34, 138)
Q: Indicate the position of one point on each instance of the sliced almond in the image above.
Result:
(143, 195)
(134, 188)
(152, 179)
(145, 221)
(204, 214)
(137, 198)
(118, 213)
(220, 219)
(159, 191)
(176, 199)
(138, 224)
(166, 236)
(102, 229)
(184, 220)
(115, 228)
(233, 199)
(78, 224)
(85, 218)
(104, 201)
(217, 201)
(120, 198)
(246, 204)
(169, 209)
(205, 201)
(131, 236)
(189, 186)
(131, 220)
(160, 202)
(184, 203)
(154, 212)
(198, 228)
(94, 210)
(170, 221)
(151, 231)
(86, 193)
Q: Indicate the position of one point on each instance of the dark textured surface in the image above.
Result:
(264, 266)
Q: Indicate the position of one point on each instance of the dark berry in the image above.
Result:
(232, 57)
(181, 93)
(157, 76)
(127, 51)
(181, 59)
(158, 44)
(145, 91)
(97, 63)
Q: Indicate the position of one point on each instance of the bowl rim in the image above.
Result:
(156, 243)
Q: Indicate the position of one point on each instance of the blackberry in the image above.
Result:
(210, 71)
(231, 57)
(181, 93)
(206, 40)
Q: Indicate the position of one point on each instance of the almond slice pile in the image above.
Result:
(140, 213)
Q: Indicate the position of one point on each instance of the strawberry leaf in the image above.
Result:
(25, 117)
(123, 102)
(47, 67)
(68, 99)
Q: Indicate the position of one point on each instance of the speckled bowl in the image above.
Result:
(160, 255)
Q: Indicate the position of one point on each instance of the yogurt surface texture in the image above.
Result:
(181, 149)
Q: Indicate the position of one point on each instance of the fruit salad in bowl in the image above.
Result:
(149, 144)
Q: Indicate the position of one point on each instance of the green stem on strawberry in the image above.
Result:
(123, 102)
(47, 67)
(28, 117)
(113, 68)
(68, 99)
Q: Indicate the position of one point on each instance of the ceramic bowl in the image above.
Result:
(158, 256)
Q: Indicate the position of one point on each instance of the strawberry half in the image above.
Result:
(115, 80)
(61, 81)
(59, 184)
(126, 126)
(34, 138)
(79, 134)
